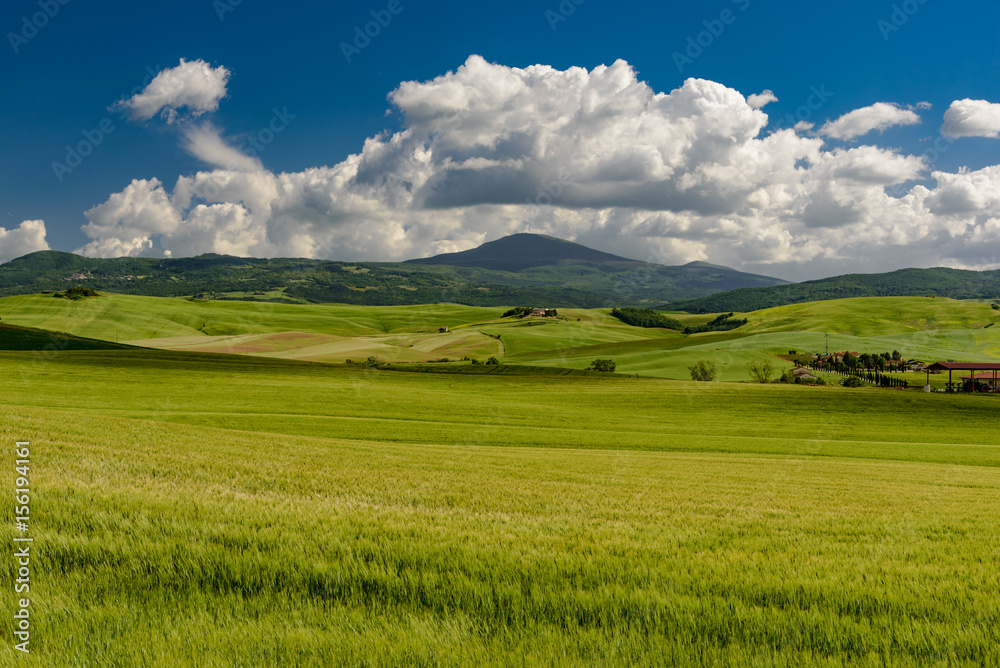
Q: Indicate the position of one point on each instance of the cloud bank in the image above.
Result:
(594, 156)
(27, 237)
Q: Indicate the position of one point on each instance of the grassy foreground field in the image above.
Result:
(223, 510)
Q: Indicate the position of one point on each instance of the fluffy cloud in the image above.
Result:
(197, 88)
(27, 237)
(595, 156)
(859, 122)
(193, 85)
(127, 222)
(972, 118)
(759, 100)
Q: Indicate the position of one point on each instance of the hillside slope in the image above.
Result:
(939, 281)
(868, 316)
(923, 328)
(13, 337)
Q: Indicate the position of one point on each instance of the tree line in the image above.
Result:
(643, 317)
(721, 323)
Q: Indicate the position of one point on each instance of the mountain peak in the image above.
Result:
(521, 251)
(698, 264)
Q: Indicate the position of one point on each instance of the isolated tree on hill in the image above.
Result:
(603, 365)
(760, 370)
(703, 371)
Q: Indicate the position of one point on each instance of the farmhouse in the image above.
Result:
(989, 370)
(802, 372)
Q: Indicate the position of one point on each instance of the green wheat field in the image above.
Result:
(277, 506)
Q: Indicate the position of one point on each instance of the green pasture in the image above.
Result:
(874, 316)
(219, 510)
(319, 400)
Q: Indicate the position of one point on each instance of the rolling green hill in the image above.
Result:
(873, 316)
(921, 328)
(939, 281)
(135, 317)
(522, 269)
(13, 337)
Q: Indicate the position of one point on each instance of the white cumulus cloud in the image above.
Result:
(193, 85)
(972, 118)
(859, 122)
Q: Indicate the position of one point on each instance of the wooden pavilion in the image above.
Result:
(964, 366)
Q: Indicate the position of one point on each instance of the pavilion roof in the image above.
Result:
(964, 366)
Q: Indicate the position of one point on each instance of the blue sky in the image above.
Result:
(63, 73)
